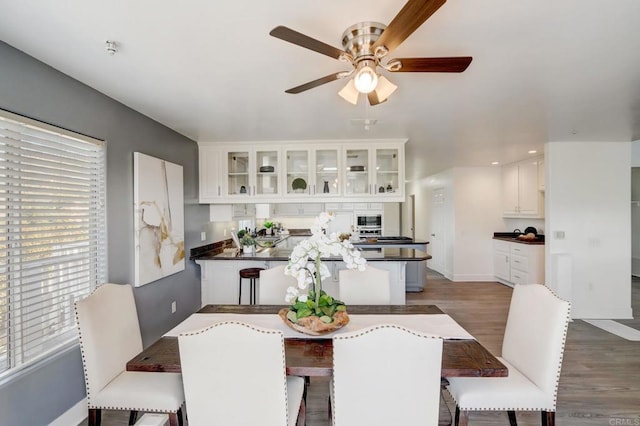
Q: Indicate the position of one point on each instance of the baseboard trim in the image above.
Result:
(73, 416)
(473, 277)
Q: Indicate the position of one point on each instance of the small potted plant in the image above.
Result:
(248, 243)
(269, 225)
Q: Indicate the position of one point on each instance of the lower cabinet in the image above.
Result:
(219, 279)
(517, 263)
(397, 279)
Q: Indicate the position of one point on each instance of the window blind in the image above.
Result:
(52, 235)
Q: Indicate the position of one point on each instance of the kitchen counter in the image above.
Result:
(512, 238)
(372, 254)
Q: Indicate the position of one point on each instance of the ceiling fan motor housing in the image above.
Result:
(359, 38)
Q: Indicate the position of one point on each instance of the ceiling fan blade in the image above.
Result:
(452, 64)
(287, 34)
(373, 98)
(410, 17)
(315, 83)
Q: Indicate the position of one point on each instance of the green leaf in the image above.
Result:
(291, 316)
(303, 313)
(300, 305)
(326, 319)
(341, 308)
(329, 310)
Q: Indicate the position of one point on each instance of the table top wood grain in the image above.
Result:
(314, 357)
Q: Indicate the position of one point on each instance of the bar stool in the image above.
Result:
(253, 274)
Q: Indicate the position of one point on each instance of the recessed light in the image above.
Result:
(533, 151)
(495, 163)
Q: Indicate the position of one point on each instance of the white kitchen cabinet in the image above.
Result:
(501, 256)
(244, 210)
(219, 280)
(397, 279)
(312, 172)
(521, 196)
(325, 171)
(298, 209)
(250, 173)
(374, 171)
(517, 263)
(209, 162)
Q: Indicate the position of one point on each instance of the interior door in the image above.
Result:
(436, 243)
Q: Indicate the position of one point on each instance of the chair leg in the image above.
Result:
(95, 416)
(180, 419)
(461, 417)
(173, 419)
(240, 291)
(302, 414)
(512, 418)
(548, 418)
(133, 417)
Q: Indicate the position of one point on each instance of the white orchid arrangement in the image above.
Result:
(306, 266)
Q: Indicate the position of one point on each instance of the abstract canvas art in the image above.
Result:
(158, 218)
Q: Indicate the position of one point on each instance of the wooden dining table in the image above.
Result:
(314, 357)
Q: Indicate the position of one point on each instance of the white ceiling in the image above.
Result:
(542, 71)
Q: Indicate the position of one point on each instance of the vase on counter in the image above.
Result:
(247, 249)
(326, 187)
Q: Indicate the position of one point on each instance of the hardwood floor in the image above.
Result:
(600, 379)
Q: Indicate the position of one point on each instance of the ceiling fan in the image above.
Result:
(366, 44)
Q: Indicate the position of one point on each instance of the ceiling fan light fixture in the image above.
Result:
(366, 78)
(349, 92)
(384, 89)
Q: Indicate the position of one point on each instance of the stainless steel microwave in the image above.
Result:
(365, 220)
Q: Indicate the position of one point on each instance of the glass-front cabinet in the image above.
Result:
(312, 172)
(373, 171)
(325, 171)
(252, 173)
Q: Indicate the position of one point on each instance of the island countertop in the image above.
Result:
(380, 254)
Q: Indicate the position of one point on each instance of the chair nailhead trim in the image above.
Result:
(555, 391)
(261, 330)
(369, 330)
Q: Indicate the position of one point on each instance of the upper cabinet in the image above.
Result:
(312, 172)
(521, 195)
(374, 172)
(325, 171)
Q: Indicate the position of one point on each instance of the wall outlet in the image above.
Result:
(203, 236)
(173, 307)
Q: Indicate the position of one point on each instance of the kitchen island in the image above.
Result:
(220, 270)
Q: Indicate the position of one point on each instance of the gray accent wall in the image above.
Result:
(31, 88)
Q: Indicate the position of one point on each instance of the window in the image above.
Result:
(52, 235)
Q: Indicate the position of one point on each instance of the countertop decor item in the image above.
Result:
(267, 169)
(248, 243)
(312, 310)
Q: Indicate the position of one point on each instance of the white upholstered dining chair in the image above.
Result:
(368, 287)
(532, 350)
(273, 286)
(109, 335)
(235, 374)
(386, 375)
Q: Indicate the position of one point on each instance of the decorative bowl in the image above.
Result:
(312, 325)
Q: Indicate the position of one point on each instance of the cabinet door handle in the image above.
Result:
(218, 190)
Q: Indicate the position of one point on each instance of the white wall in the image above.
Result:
(463, 223)
(587, 198)
(478, 214)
